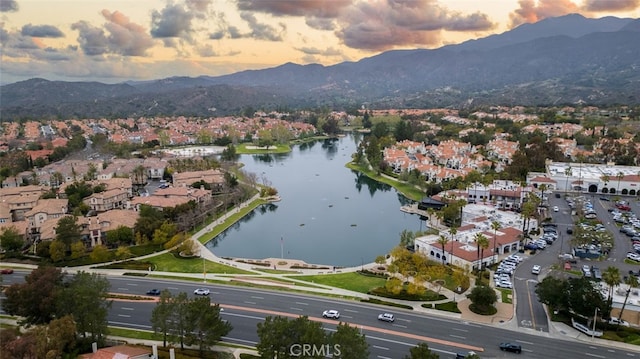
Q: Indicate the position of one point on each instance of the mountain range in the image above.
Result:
(564, 60)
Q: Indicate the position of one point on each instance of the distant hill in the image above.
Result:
(563, 60)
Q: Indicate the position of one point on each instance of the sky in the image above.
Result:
(114, 41)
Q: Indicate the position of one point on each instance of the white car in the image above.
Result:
(504, 284)
(633, 256)
(201, 291)
(536, 269)
(386, 317)
(332, 313)
(556, 209)
(616, 321)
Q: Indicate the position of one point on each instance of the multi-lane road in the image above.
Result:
(245, 307)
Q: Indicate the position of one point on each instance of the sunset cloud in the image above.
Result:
(119, 36)
(611, 5)
(41, 31)
(386, 24)
(531, 11)
(8, 5)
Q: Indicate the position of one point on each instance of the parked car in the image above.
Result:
(386, 317)
(511, 347)
(531, 246)
(154, 292)
(633, 256)
(616, 321)
(332, 314)
(201, 291)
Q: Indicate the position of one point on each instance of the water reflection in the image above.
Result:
(330, 146)
(372, 185)
(324, 216)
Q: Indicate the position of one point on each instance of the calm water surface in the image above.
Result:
(329, 214)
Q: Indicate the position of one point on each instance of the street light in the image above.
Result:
(595, 315)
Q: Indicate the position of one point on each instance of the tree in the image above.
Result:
(77, 250)
(483, 243)
(123, 253)
(57, 250)
(406, 238)
(60, 337)
(421, 351)
(585, 297)
(122, 235)
(552, 291)
(11, 240)
(162, 314)
(632, 282)
(148, 221)
(619, 176)
(35, 299)
(179, 318)
(611, 276)
(100, 254)
(442, 241)
(208, 327)
(68, 231)
(495, 225)
(85, 298)
(352, 343)
(482, 299)
(278, 335)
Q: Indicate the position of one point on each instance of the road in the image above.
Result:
(245, 307)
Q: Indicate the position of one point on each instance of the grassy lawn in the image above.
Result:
(351, 281)
(406, 189)
(167, 262)
(231, 220)
(506, 295)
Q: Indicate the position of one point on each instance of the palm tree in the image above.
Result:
(632, 282)
(479, 238)
(495, 225)
(442, 241)
(543, 187)
(483, 242)
(611, 276)
(619, 176)
(568, 172)
(605, 178)
(453, 231)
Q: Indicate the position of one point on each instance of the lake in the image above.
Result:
(328, 214)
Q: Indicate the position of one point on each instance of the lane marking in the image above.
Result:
(365, 327)
(123, 289)
(301, 303)
(298, 309)
(524, 342)
(458, 336)
(379, 347)
(133, 284)
(124, 315)
(533, 319)
(256, 297)
(351, 311)
(595, 355)
(126, 308)
(400, 326)
(249, 302)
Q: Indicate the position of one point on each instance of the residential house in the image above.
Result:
(110, 199)
(99, 225)
(214, 177)
(119, 352)
(44, 210)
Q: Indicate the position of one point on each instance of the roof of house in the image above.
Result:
(118, 352)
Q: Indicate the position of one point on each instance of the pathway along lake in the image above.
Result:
(328, 214)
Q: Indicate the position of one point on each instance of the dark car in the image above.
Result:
(569, 230)
(531, 246)
(6, 271)
(511, 347)
(154, 292)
